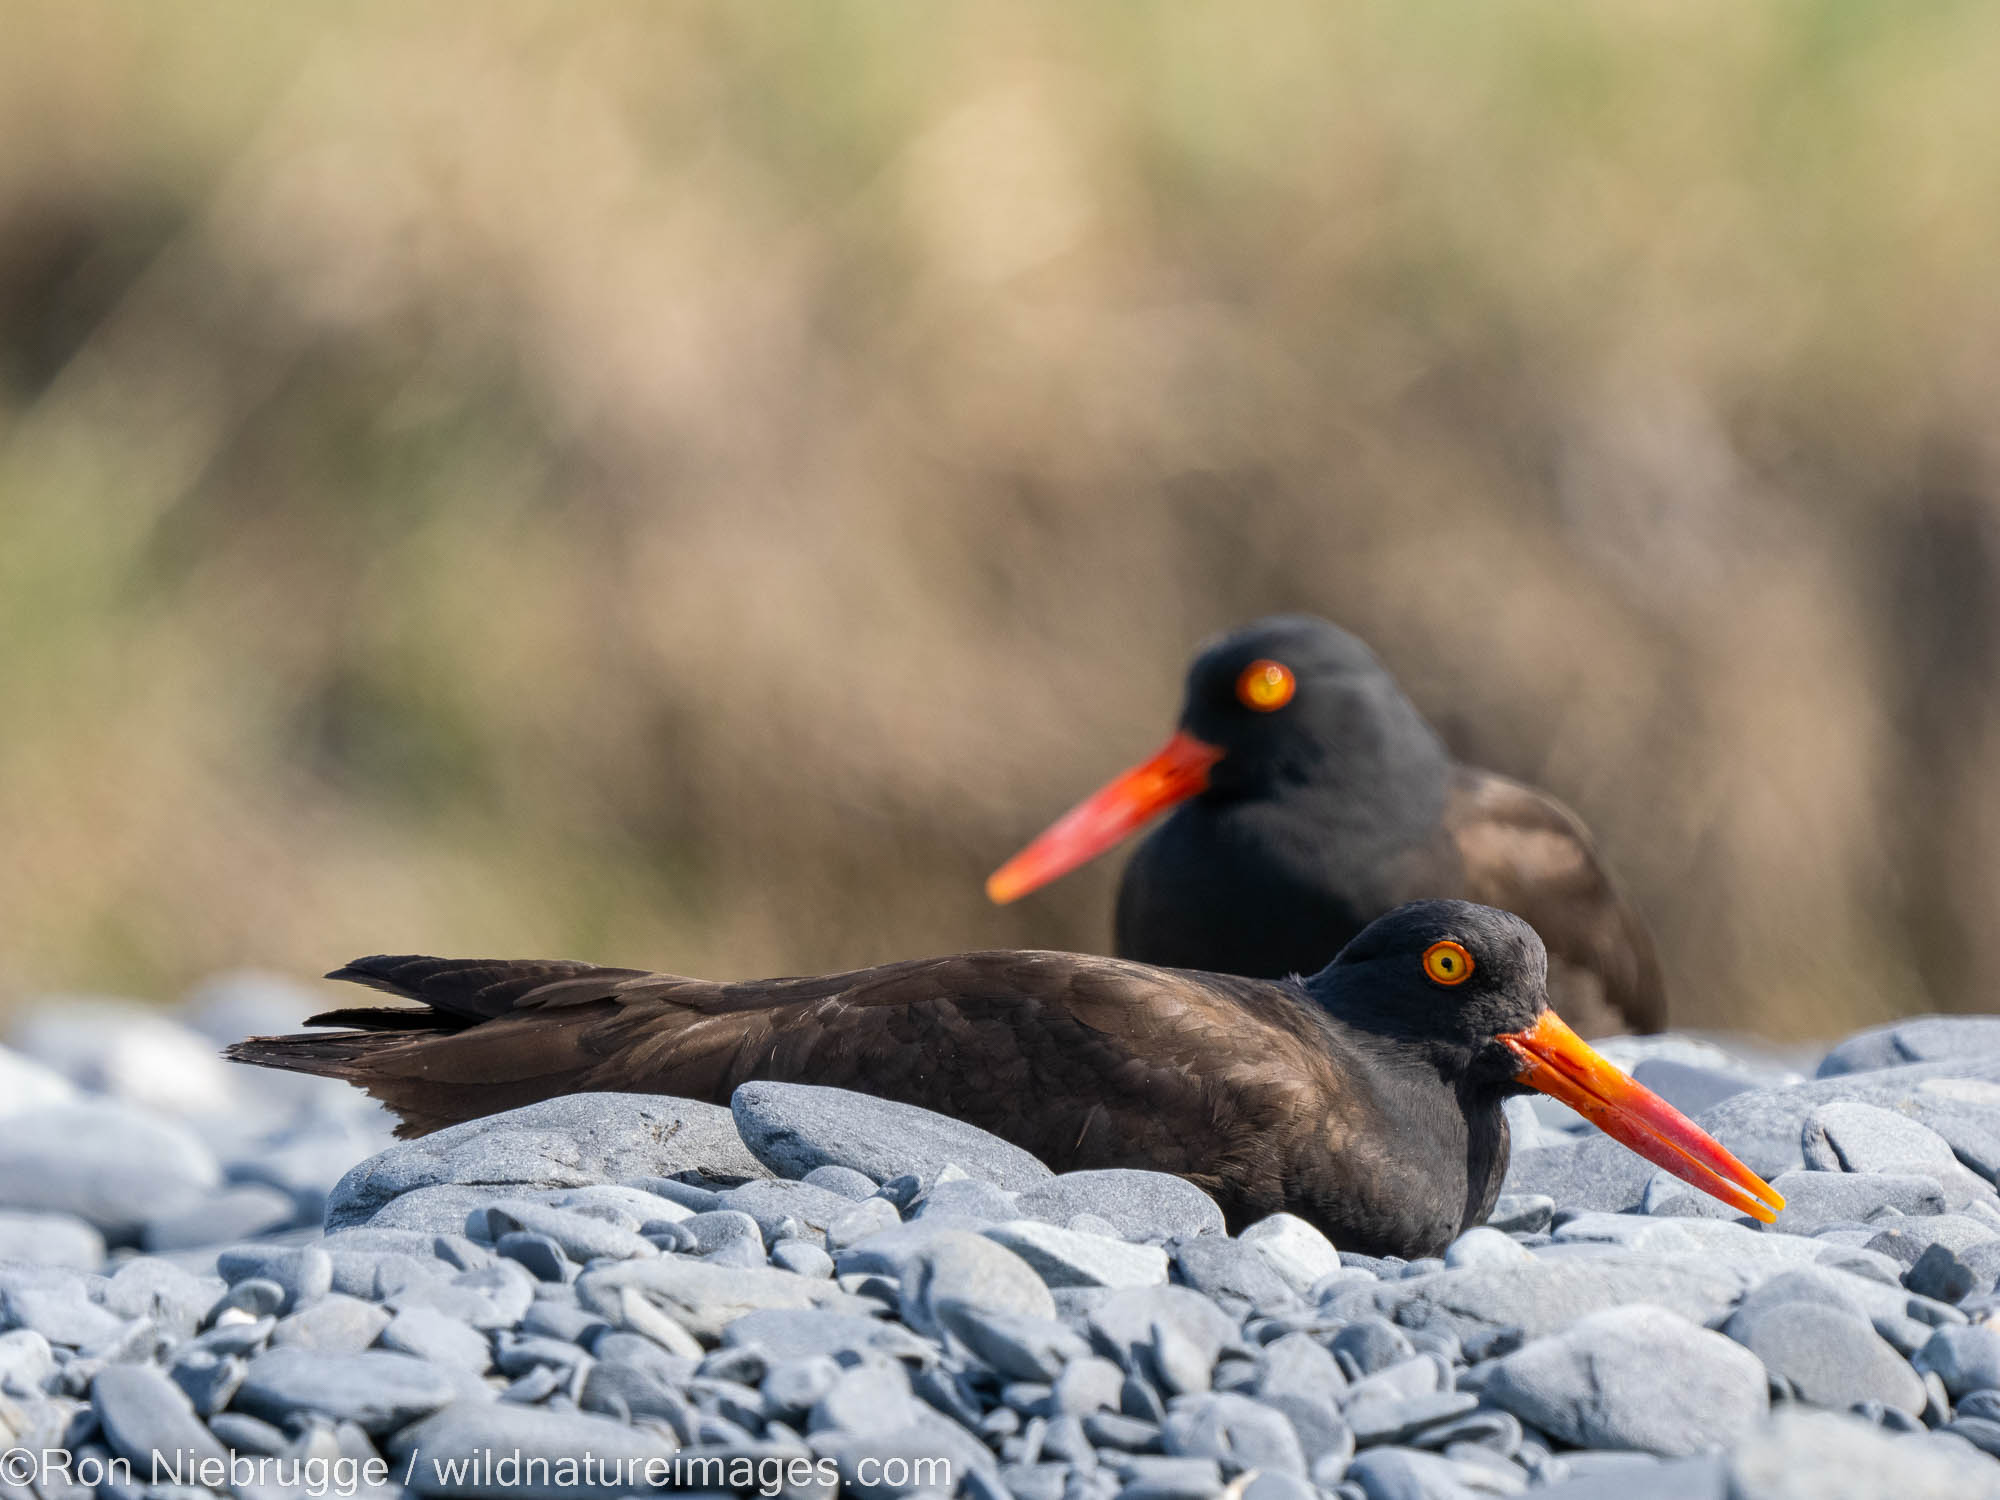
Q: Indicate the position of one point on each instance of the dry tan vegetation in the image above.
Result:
(696, 485)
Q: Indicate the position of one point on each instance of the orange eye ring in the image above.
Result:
(1447, 963)
(1265, 686)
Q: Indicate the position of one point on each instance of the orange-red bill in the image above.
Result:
(1175, 774)
(1562, 1065)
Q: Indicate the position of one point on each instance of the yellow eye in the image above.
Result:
(1266, 686)
(1447, 962)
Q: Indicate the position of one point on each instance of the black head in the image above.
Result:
(1449, 976)
(1293, 698)
(1290, 710)
(1463, 989)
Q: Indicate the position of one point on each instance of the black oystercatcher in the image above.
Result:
(1366, 1099)
(1310, 797)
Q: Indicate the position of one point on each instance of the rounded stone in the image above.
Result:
(573, 1140)
(110, 1164)
(1634, 1377)
(794, 1127)
(1831, 1357)
(1484, 1246)
(143, 1413)
(375, 1389)
(958, 1270)
(1966, 1357)
(1143, 1205)
(1296, 1250)
(50, 1240)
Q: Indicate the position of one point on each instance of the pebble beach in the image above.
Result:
(217, 1280)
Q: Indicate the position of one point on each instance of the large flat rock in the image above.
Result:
(571, 1141)
(1920, 1039)
(1549, 1295)
(1765, 1127)
(795, 1128)
(1818, 1455)
(110, 1164)
(1634, 1377)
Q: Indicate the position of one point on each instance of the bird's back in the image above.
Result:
(1083, 1061)
(1523, 851)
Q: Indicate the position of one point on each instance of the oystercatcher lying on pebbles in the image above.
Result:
(1366, 1099)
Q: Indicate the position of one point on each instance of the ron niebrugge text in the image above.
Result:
(485, 1471)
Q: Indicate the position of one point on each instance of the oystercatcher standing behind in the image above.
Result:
(1309, 797)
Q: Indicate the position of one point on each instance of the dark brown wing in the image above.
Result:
(1525, 852)
(1084, 1061)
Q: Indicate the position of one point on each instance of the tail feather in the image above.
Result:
(384, 1049)
(330, 1056)
(466, 991)
(386, 1018)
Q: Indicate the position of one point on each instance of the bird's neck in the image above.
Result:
(1436, 1098)
(1411, 1113)
(1380, 775)
(1487, 1148)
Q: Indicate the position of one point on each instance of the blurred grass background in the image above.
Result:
(696, 486)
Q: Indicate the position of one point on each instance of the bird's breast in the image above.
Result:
(1247, 887)
(1401, 1170)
